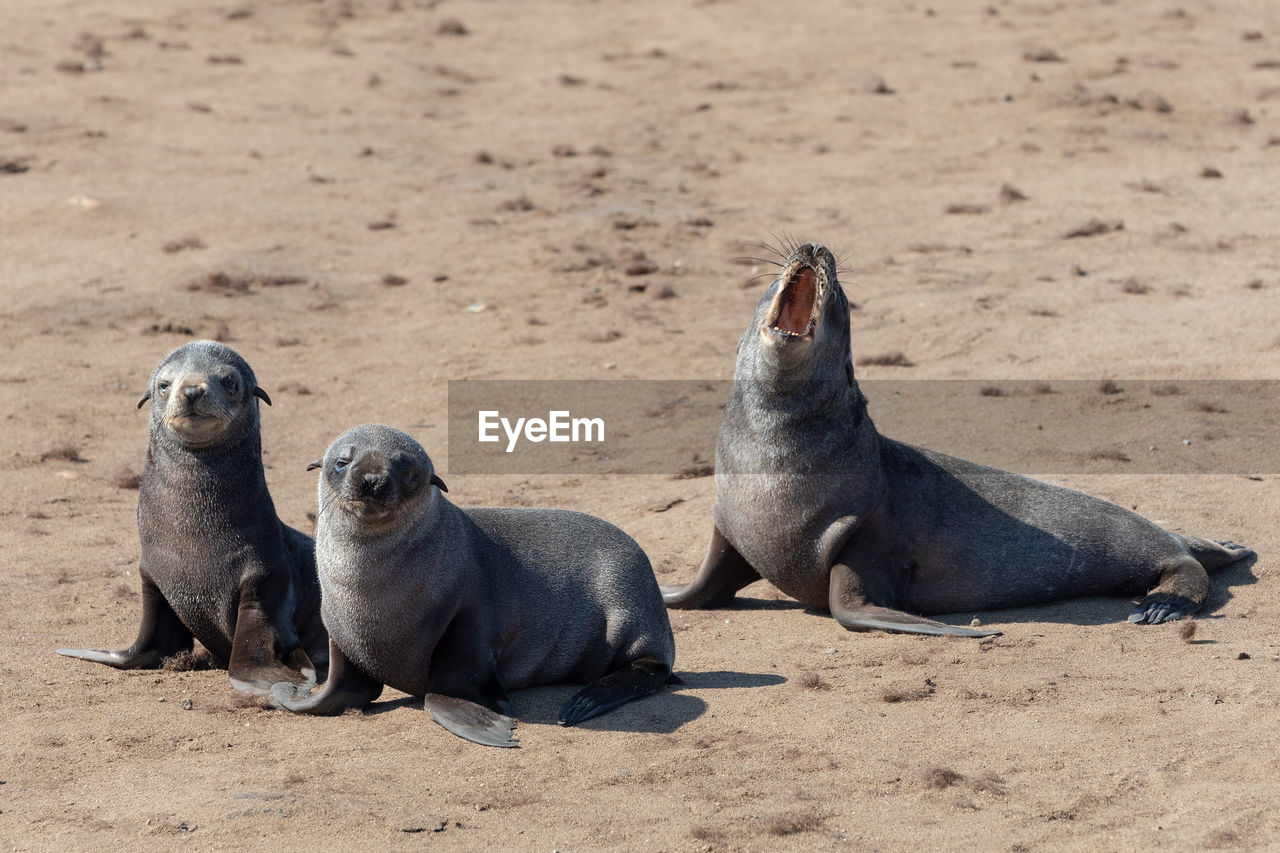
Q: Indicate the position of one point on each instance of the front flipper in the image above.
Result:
(160, 635)
(260, 657)
(463, 693)
(471, 721)
(851, 607)
(346, 687)
(645, 677)
(723, 573)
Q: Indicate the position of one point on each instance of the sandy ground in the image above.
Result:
(328, 186)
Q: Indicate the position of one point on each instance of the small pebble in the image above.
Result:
(186, 704)
(975, 622)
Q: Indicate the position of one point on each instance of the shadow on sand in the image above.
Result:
(1088, 610)
(663, 713)
(1104, 610)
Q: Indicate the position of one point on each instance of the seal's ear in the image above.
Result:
(319, 463)
(145, 397)
(262, 395)
(436, 481)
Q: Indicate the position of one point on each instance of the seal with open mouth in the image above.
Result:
(217, 563)
(812, 498)
(460, 606)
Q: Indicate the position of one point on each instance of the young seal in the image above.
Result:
(460, 606)
(811, 497)
(217, 564)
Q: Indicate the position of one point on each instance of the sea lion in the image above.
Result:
(811, 497)
(461, 605)
(217, 563)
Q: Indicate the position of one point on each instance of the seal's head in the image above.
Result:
(202, 395)
(803, 317)
(375, 475)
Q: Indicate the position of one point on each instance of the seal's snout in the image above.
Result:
(196, 407)
(368, 484)
(375, 485)
(802, 288)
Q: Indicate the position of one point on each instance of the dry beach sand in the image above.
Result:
(329, 186)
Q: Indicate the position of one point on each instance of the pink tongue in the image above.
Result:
(797, 303)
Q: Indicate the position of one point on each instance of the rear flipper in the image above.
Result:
(1183, 588)
(849, 603)
(1214, 554)
(645, 677)
(472, 721)
(160, 635)
(259, 659)
(346, 687)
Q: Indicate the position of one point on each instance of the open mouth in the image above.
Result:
(794, 307)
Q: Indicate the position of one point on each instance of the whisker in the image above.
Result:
(842, 256)
(756, 278)
(786, 245)
(769, 247)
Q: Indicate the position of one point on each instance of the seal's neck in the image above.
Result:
(821, 379)
(382, 543)
(788, 418)
(231, 470)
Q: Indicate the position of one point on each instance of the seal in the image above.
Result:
(811, 497)
(460, 606)
(217, 564)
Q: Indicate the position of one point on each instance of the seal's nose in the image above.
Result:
(193, 392)
(373, 485)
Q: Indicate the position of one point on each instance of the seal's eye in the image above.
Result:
(340, 465)
(163, 386)
(229, 382)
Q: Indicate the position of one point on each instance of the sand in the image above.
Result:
(329, 186)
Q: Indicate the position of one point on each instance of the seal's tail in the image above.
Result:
(1214, 555)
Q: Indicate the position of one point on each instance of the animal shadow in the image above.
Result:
(662, 713)
(1100, 610)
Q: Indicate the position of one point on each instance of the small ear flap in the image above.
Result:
(319, 463)
(436, 481)
(145, 397)
(262, 395)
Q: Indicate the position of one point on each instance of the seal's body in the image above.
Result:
(217, 563)
(460, 606)
(810, 496)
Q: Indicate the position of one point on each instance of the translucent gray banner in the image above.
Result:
(1041, 427)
